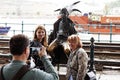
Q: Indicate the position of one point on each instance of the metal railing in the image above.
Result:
(28, 29)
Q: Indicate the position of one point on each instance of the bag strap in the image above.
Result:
(24, 69)
(1, 73)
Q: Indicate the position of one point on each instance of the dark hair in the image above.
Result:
(18, 43)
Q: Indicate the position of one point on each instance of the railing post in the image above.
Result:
(110, 32)
(5, 24)
(91, 68)
(88, 28)
(44, 25)
(22, 27)
(13, 32)
(98, 37)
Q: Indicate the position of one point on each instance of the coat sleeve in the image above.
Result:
(82, 64)
(49, 73)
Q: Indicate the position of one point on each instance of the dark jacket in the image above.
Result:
(34, 53)
(11, 69)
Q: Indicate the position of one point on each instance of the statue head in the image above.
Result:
(64, 13)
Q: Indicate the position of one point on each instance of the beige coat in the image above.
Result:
(77, 64)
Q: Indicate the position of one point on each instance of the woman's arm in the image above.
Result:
(82, 64)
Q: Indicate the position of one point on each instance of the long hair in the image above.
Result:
(44, 40)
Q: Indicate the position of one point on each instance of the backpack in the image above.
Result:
(21, 72)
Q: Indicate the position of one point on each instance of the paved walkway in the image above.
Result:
(100, 75)
(108, 75)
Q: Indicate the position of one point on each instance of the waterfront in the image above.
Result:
(27, 26)
(84, 36)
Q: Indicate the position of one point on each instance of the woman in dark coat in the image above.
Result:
(40, 39)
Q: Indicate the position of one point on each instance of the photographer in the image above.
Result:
(40, 39)
(19, 48)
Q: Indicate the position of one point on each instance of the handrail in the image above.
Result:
(22, 27)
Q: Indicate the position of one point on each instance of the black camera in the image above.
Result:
(34, 50)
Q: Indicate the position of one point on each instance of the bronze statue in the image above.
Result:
(63, 28)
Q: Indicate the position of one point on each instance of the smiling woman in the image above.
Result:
(40, 39)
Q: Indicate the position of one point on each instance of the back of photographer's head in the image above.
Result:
(18, 43)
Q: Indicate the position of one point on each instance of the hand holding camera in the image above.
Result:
(42, 51)
(34, 50)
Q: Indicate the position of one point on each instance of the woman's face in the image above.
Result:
(40, 34)
(73, 45)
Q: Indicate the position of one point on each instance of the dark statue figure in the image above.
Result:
(63, 27)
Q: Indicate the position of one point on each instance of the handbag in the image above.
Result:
(90, 75)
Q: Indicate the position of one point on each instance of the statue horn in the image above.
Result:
(76, 10)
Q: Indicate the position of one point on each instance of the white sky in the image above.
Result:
(84, 5)
(65, 2)
(45, 6)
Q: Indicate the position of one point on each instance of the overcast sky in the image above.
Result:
(45, 6)
(84, 5)
(65, 2)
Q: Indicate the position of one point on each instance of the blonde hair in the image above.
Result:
(44, 40)
(75, 38)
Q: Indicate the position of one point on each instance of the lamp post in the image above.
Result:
(92, 45)
(91, 74)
